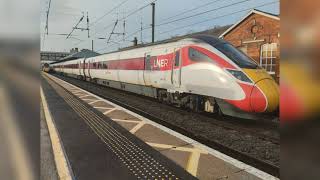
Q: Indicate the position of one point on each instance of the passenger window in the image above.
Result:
(196, 55)
(105, 66)
(147, 63)
(177, 59)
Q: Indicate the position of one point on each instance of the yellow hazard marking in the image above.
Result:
(192, 165)
(267, 85)
(194, 157)
(176, 148)
(257, 74)
(109, 111)
(77, 91)
(84, 96)
(137, 127)
(59, 156)
(128, 121)
(88, 99)
(94, 102)
(98, 107)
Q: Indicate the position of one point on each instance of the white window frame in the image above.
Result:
(272, 58)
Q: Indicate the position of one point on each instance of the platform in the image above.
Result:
(98, 148)
(103, 140)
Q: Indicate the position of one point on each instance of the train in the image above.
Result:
(47, 68)
(200, 73)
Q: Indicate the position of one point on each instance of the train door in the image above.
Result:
(176, 69)
(79, 67)
(84, 68)
(147, 69)
(89, 68)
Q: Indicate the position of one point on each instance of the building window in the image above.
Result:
(268, 57)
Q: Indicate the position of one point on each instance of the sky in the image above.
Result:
(19, 19)
(172, 17)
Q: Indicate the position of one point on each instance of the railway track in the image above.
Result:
(249, 141)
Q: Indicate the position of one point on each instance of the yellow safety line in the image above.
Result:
(193, 161)
(176, 148)
(128, 121)
(84, 96)
(79, 94)
(78, 91)
(192, 165)
(97, 107)
(137, 127)
(94, 101)
(109, 111)
(59, 156)
(88, 99)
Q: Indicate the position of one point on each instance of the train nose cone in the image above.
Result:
(265, 96)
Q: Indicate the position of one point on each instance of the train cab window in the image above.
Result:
(234, 54)
(196, 55)
(237, 56)
(177, 59)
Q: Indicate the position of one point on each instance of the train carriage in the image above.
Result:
(202, 73)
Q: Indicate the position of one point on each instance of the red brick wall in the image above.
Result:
(266, 29)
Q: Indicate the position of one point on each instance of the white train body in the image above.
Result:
(196, 66)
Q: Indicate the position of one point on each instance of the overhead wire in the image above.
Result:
(212, 18)
(125, 17)
(190, 10)
(110, 11)
(197, 14)
(217, 17)
(201, 13)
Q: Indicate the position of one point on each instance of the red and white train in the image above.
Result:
(202, 73)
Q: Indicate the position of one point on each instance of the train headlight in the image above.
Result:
(239, 75)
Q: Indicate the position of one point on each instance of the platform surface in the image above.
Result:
(96, 147)
(196, 159)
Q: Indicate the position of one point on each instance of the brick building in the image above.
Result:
(258, 35)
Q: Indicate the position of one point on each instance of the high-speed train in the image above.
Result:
(46, 67)
(201, 73)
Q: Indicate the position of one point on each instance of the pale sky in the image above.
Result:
(64, 14)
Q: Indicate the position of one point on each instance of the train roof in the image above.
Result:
(215, 32)
(198, 38)
(201, 37)
(209, 39)
(84, 53)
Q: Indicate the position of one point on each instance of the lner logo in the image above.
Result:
(160, 63)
